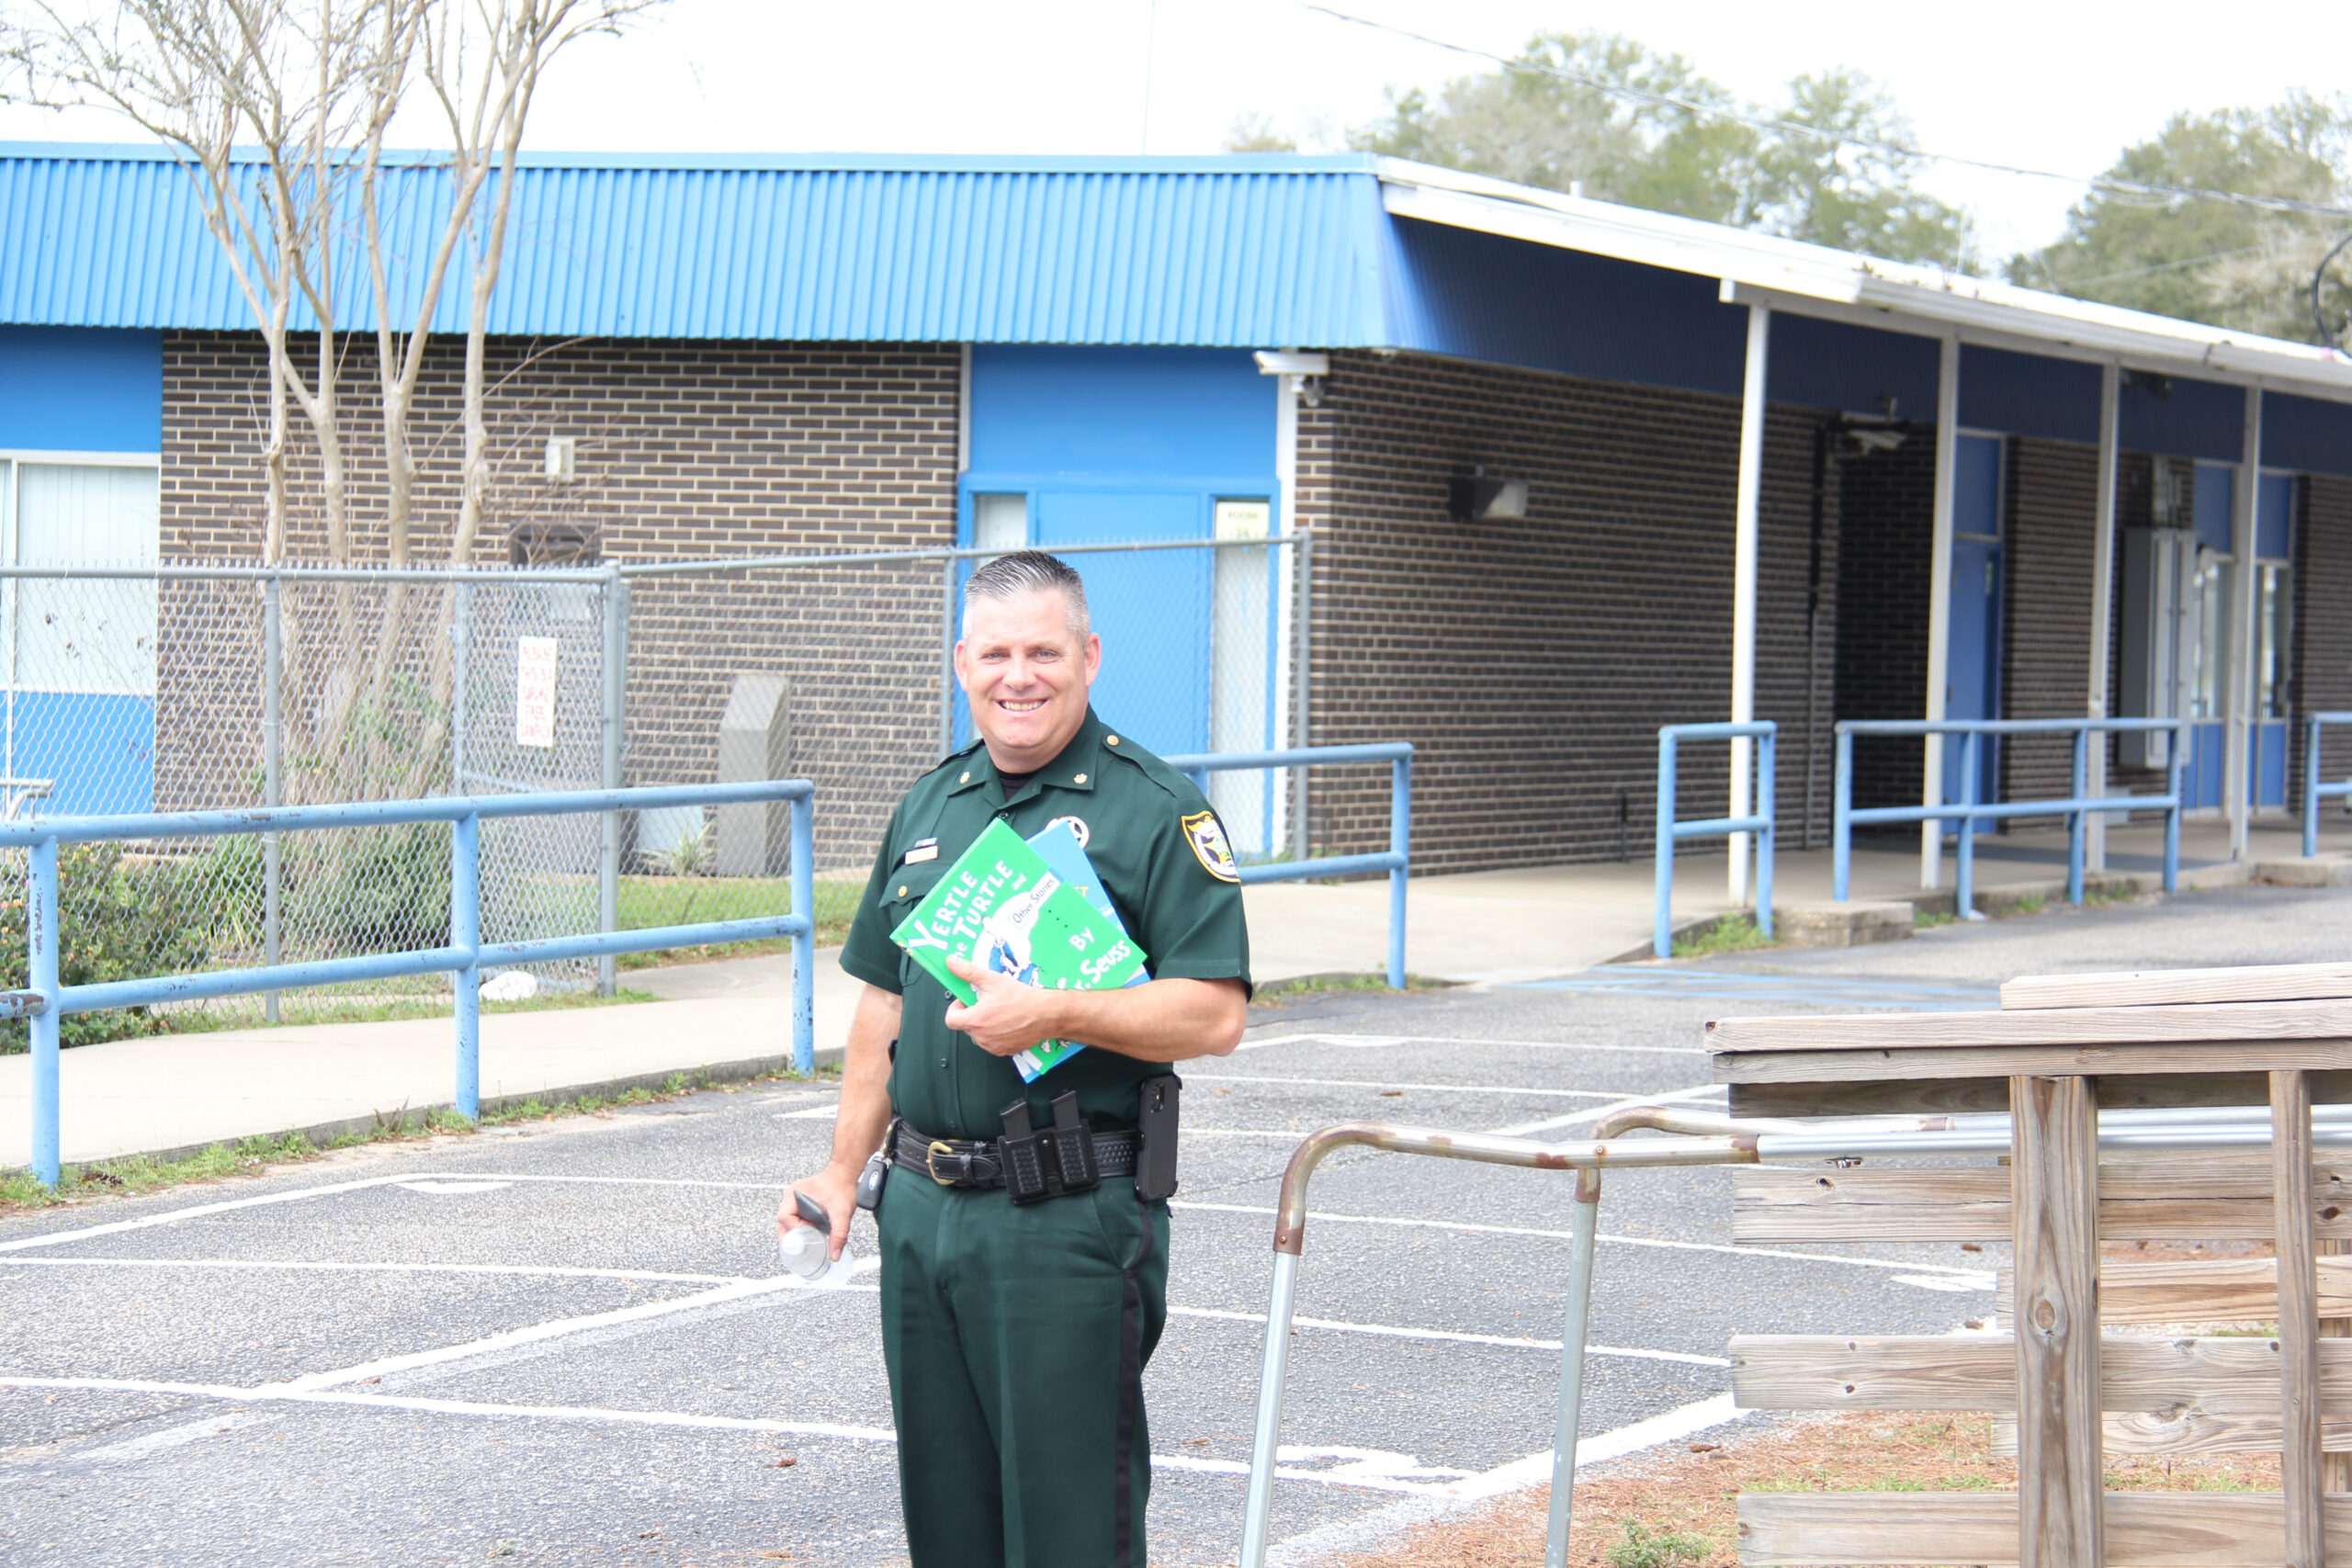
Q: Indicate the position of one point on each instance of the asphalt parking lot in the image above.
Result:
(570, 1342)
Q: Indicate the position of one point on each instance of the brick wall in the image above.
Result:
(686, 450)
(1531, 662)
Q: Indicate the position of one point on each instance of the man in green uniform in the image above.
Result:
(1017, 1334)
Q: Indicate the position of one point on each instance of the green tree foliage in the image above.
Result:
(2217, 262)
(1256, 133)
(1607, 114)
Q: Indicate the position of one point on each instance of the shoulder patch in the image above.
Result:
(1206, 835)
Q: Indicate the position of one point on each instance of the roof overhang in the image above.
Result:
(1815, 280)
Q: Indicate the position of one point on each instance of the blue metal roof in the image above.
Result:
(1244, 251)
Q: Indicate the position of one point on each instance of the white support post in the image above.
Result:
(1931, 773)
(1745, 528)
(2237, 754)
(2110, 399)
(1288, 693)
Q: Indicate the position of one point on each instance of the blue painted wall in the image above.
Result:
(2027, 394)
(81, 389)
(1075, 411)
(2185, 419)
(1851, 369)
(2306, 434)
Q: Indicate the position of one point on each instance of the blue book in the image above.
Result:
(1065, 855)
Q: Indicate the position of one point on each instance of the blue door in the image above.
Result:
(1151, 609)
(1973, 648)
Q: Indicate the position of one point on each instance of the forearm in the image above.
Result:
(1163, 1020)
(864, 1112)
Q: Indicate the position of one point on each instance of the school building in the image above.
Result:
(1570, 470)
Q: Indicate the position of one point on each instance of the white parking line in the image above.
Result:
(1465, 1226)
(1371, 1470)
(1595, 1113)
(323, 1266)
(1377, 1042)
(1384, 1331)
(85, 1233)
(1397, 1084)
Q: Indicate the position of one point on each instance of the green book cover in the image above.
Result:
(1000, 907)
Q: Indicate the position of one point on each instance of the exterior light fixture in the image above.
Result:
(563, 459)
(1309, 370)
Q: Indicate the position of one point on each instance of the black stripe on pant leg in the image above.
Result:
(1123, 1502)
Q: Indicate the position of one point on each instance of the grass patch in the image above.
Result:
(2028, 905)
(1642, 1547)
(647, 901)
(390, 1010)
(137, 1174)
(1923, 920)
(1732, 934)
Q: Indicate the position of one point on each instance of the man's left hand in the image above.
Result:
(1006, 1017)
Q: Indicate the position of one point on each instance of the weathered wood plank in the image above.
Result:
(2299, 1408)
(2203, 1290)
(2145, 1529)
(2125, 1026)
(1854, 1065)
(2164, 987)
(2227, 1201)
(2061, 1467)
(1924, 1097)
(2187, 1432)
(2222, 1376)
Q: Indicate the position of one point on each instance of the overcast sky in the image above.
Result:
(2062, 85)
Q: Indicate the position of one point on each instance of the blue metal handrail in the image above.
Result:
(47, 1002)
(2313, 791)
(1765, 733)
(1398, 863)
(1968, 811)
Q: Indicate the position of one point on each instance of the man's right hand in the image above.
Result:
(833, 1187)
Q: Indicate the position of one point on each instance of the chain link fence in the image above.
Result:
(150, 688)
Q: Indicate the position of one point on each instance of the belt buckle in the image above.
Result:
(931, 1162)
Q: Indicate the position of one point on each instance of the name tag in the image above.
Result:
(927, 849)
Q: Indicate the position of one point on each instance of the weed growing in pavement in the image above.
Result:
(1317, 985)
(1642, 1547)
(2028, 905)
(1923, 920)
(135, 1174)
(1732, 934)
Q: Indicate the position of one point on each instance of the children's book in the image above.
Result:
(1065, 855)
(1003, 907)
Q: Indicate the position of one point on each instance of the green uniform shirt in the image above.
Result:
(1163, 858)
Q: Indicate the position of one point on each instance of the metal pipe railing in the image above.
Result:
(46, 1001)
(1765, 733)
(1398, 860)
(2076, 807)
(2313, 791)
(1696, 1138)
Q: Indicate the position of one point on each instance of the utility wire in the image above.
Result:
(1839, 139)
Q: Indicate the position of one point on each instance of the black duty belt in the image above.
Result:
(979, 1163)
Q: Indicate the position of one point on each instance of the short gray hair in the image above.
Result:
(1030, 572)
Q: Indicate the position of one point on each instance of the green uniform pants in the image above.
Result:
(1016, 1339)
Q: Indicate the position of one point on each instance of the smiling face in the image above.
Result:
(1025, 671)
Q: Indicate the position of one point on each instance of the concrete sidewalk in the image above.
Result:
(171, 1093)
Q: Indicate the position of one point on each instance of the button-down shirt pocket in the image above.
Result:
(908, 886)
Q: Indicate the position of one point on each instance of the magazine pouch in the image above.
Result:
(1049, 1164)
(1073, 1147)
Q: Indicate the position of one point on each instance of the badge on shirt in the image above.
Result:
(922, 850)
(1206, 835)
